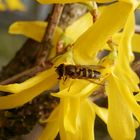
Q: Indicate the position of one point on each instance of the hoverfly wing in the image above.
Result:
(95, 67)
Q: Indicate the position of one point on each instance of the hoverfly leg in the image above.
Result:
(70, 86)
(95, 82)
(64, 78)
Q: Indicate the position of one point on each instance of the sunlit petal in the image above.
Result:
(101, 112)
(135, 41)
(77, 88)
(25, 93)
(125, 43)
(87, 118)
(32, 29)
(50, 131)
(71, 117)
(125, 56)
(79, 27)
(16, 88)
(120, 118)
(137, 97)
(128, 97)
(132, 2)
(64, 109)
(95, 38)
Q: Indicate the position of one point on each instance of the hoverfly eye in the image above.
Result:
(60, 70)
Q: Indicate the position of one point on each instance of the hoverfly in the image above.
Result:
(79, 71)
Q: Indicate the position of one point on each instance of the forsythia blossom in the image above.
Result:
(74, 117)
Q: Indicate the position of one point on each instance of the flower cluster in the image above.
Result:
(74, 117)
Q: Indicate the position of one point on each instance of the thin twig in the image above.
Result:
(16, 77)
(46, 43)
(53, 22)
(36, 69)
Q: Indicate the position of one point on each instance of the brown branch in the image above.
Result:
(46, 43)
(53, 22)
(30, 72)
(44, 47)
(57, 10)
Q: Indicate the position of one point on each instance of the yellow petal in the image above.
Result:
(75, 30)
(130, 78)
(16, 88)
(125, 43)
(120, 119)
(63, 110)
(50, 131)
(135, 41)
(128, 97)
(87, 118)
(101, 112)
(67, 124)
(132, 2)
(76, 88)
(96, 36)
(71, 117)
(52, 126)
(137, 97)
(33, 29)
(24, 92)
(125, 55)
(15, 5)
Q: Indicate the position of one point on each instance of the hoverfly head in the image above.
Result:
(60, 70)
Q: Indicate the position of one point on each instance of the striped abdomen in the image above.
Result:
(77, 72)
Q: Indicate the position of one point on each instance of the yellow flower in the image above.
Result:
(27, 90)
(73, 112)
(69, 118)
(120, 88)
(100, 32)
